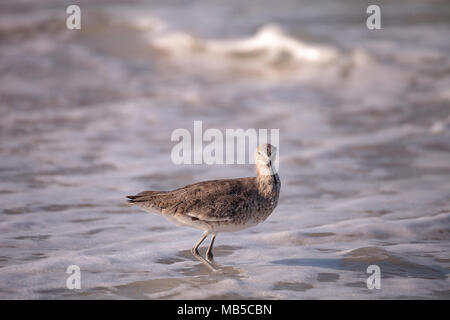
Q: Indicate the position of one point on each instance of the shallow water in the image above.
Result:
(86, 118)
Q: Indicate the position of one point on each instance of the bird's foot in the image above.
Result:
(210, 257)
(195, 252)
(209, 263)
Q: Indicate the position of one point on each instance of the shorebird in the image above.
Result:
(216, 206)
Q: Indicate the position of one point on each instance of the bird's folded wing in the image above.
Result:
(219, 208)
(206, 217)
(215, 200)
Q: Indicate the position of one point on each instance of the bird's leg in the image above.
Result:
(209, 254)
(198, 256)
(195, 247)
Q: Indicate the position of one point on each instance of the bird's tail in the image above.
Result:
(130, 200)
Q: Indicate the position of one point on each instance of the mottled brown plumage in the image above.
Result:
(219, 205)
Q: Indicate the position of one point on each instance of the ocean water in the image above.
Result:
(86, 118)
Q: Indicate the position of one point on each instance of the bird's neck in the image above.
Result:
(267, 181)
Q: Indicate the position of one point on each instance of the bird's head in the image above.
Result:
(265, 156)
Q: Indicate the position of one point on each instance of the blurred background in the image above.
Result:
(86, 117)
